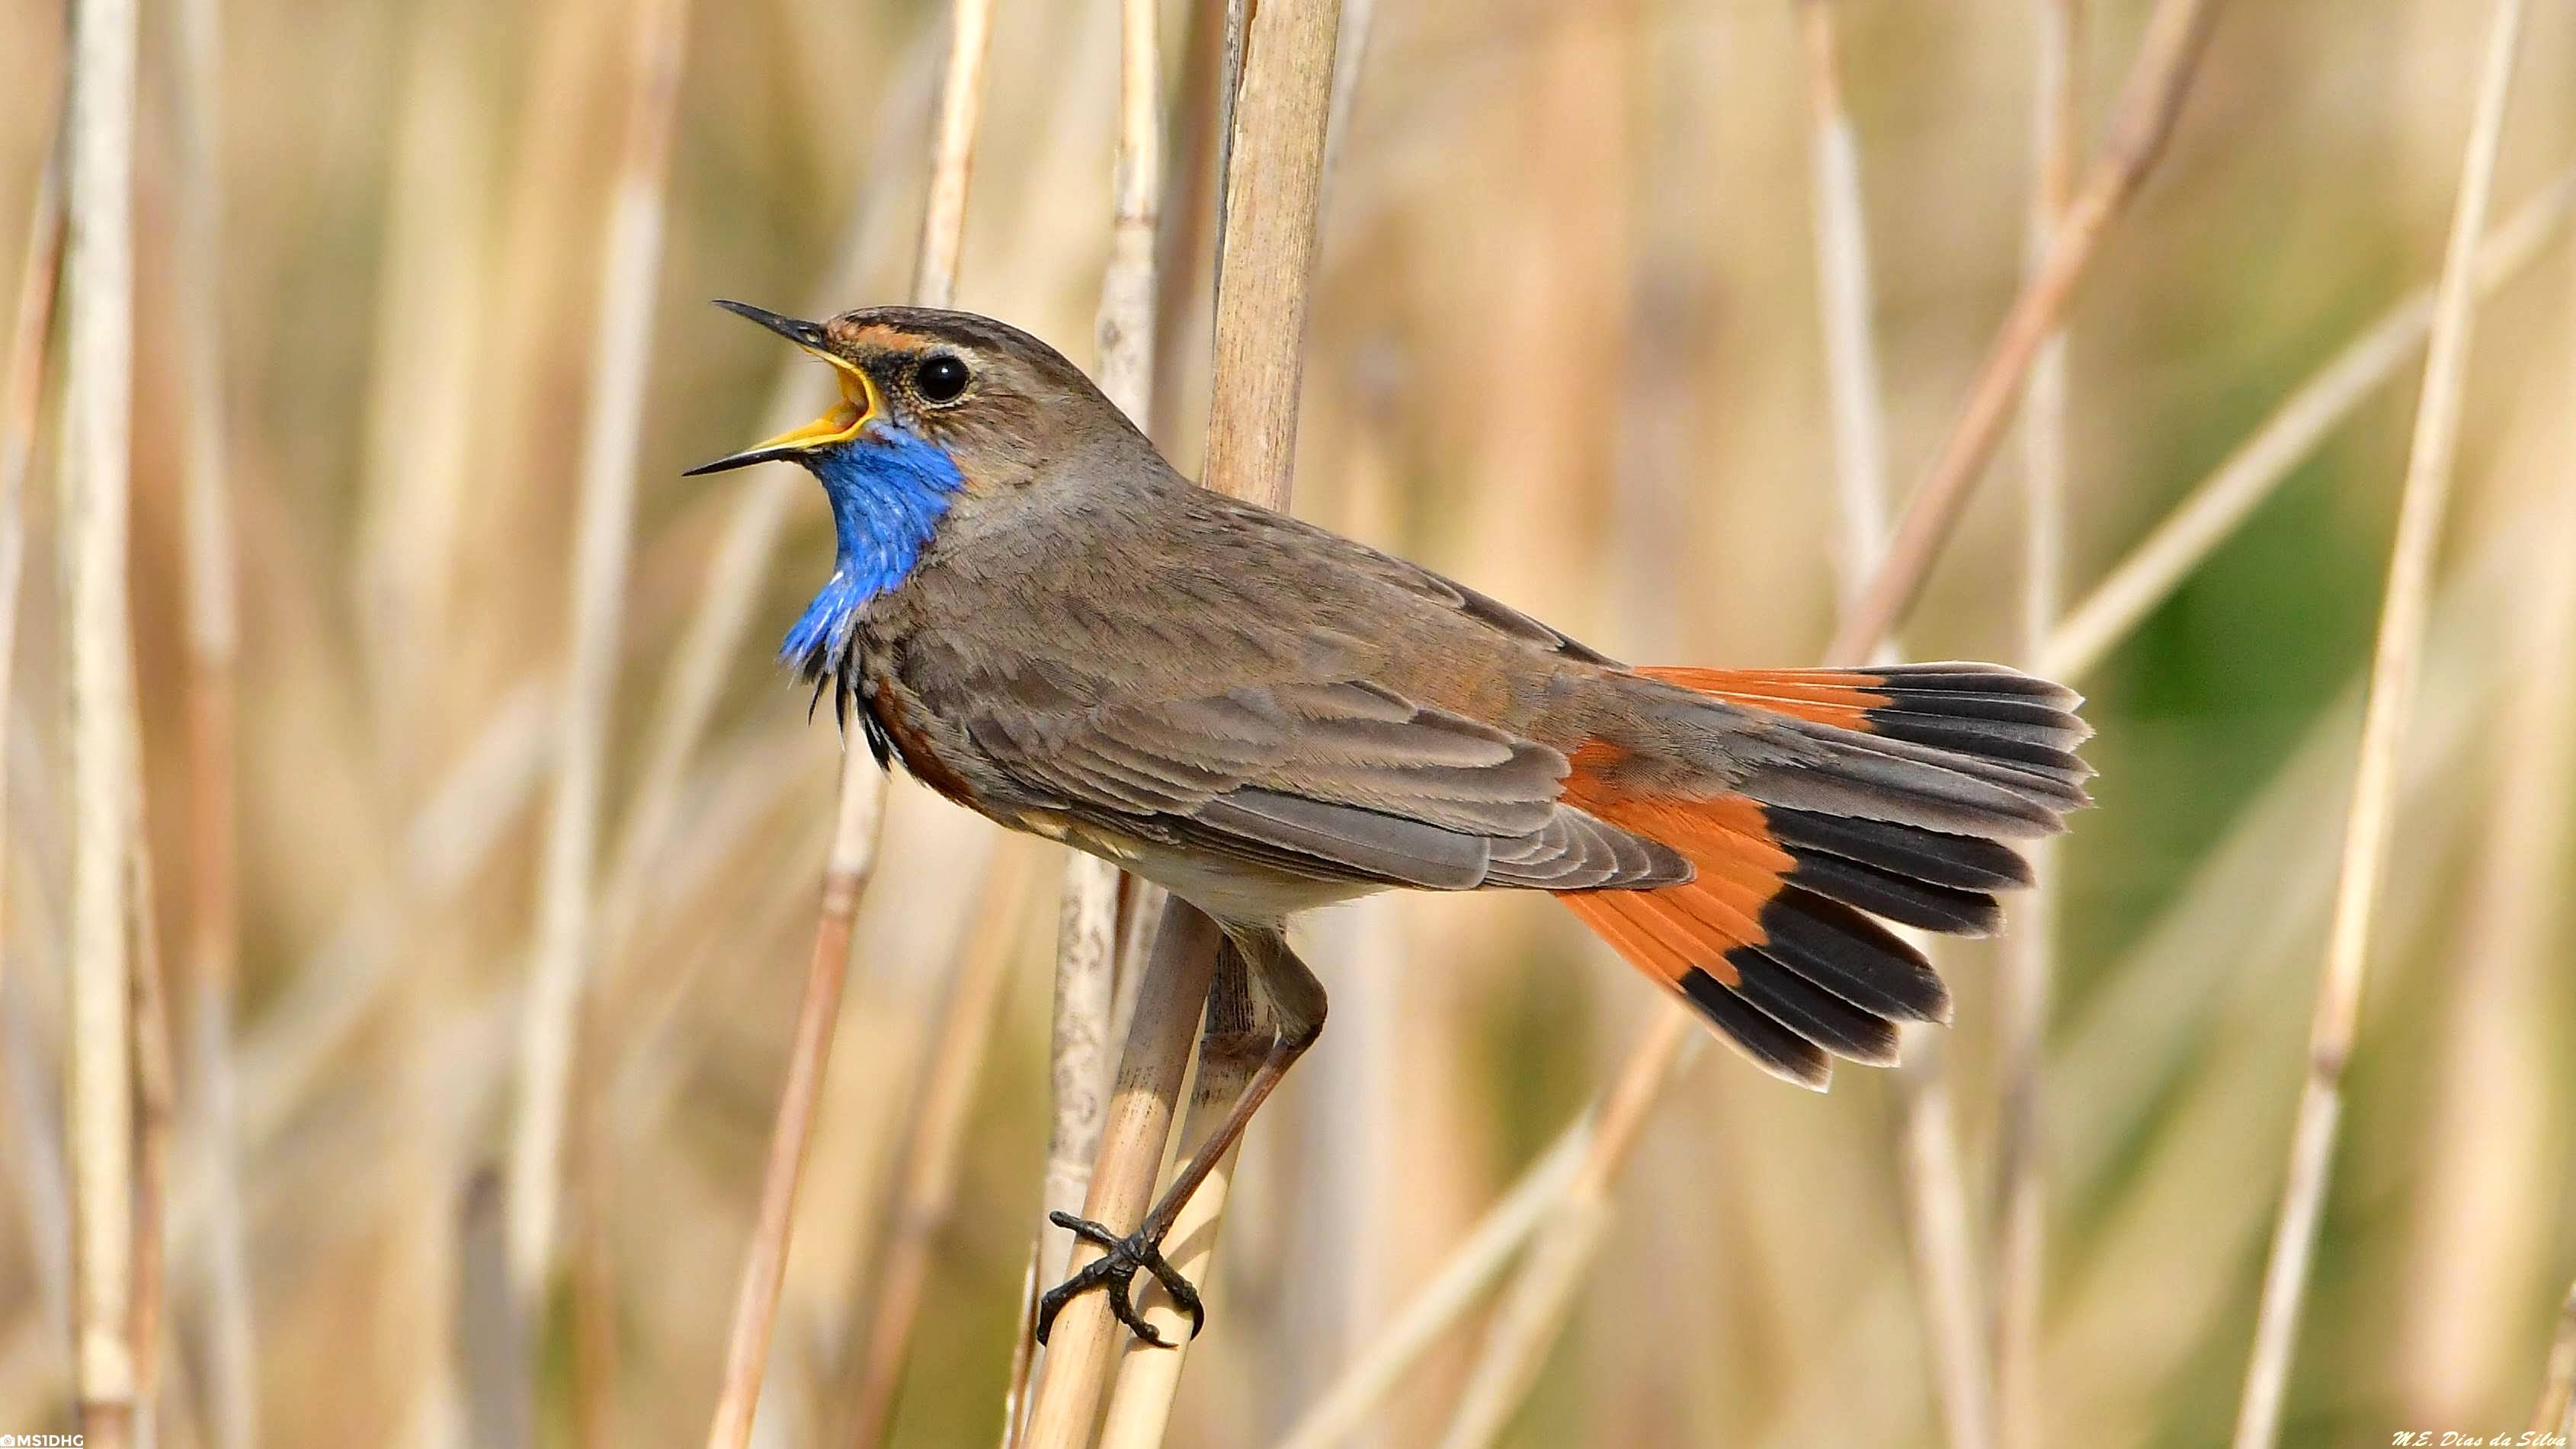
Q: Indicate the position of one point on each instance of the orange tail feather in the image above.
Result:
(1769, 940)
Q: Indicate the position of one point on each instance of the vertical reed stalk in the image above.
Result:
(2395, 665)
(42, 1190)
(1271, 184)
(852, 856)
(621, 356)
(1147, 1379)
(2018, 1255)
(589, 1162)
(924, 1184)
(1087, 930)
(1078, 1044)
(21, 402)
(428, 379)
(1024, 1356)
(1843, 291)
(38, 1178)
(1946, 1289)
(952, 154)
(42, 1195)
(1199, 100)
(1140, 917)
(155, 1110)
(212, 967)
(1141, 1111)
(858, 816)
(97, 397)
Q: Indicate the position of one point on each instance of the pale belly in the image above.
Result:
(1231, 891)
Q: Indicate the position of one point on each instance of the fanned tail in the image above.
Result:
(1909, 781)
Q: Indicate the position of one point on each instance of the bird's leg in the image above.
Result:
(1259, 982)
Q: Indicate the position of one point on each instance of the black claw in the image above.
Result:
(1115, 1272)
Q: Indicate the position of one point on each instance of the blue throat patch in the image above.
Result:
(888, 488)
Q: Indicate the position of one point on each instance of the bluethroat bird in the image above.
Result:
(1052, 627)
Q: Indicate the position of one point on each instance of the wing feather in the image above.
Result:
(1345, 780)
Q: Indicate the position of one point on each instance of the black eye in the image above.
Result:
(939, 379)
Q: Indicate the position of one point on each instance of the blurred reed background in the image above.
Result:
(419, 339)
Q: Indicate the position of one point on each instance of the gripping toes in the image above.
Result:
(1115, 1272)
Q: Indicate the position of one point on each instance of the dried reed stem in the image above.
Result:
(1140, 919)
(21, 402)
(2150, 99)
(1948, 1291)
(2210, 513)
(39, 1180)
(1271, 185)
(1844, 295)
(1141, 1110)
(213, 632)
(856, 819)
(1526, 1322)
(428, 371)
(621, 354)
(97, 398)
(1149, 1378)
(1477, 1261)
(2394, 667)
(952, 153)
(1536, 1303)
(42, 1190)
(924, 1185)
(1087, 927)
(1078, 1044)
(2555, 1412)
(588, 1162)
(2530, 837)
(2020, 1219)
(155, 1110)
(1126, 329)
(1350, 53)
(1024, 1356)
(1201, 82)
(1935, 1191)
(845, 874)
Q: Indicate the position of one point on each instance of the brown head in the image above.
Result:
(997, 402)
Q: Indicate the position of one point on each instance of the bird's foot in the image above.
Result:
(1114, 1272)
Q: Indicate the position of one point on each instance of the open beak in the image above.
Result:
(839, 425)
